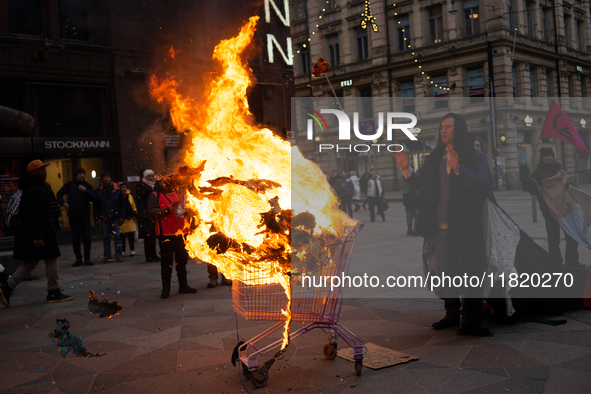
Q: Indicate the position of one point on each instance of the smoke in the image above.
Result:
(152, 145)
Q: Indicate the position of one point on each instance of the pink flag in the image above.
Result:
(558, 125)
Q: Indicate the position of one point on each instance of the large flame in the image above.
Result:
(224, 135)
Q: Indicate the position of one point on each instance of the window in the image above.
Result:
(440, 95)
(300, 10)
(546, 22)
(333, 49)
(407, 93)
(475, 84)
(69, 111)
(24, 17)
(549, 91)
(580, 35)
(73, 19)
(511, 15)
(403, 32)
(304, 61)
(533, 93)
(471, 20)
(361, 38)
(330, 4)
(435, 24)
(529, 18)
(567, 30)
(366, 106)
(515, 82)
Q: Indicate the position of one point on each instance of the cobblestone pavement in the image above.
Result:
(183, 344)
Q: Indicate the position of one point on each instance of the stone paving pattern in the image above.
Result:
(183, 344)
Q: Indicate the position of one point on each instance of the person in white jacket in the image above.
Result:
(375, 192)
(357, 196)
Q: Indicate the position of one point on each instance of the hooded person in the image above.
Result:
(36, 238)
(167, 208)
(547, 168)
(80, 194)
(128, 227)
(453, 187)
(109, 214)
(146, 222)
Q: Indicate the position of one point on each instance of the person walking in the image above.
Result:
(410, 200)
(36, 238)
(452, 187)
(357, 190)
(548, 167)
(128, 227)
(80, 194)
(345, 192)
(167, 208)
(146, 229)
(109, 215)
(375, 192)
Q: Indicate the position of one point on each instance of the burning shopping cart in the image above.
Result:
(320, 307)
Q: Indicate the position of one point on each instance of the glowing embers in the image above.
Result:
(103, 308)
(67, 342)
(320, 68)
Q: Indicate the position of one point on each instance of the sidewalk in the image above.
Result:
(183, 344)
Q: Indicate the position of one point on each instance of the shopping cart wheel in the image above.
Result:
(258, 379)
(358, 365)
(247, 374)
(330, 351)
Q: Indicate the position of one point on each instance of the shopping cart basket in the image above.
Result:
(320, 307)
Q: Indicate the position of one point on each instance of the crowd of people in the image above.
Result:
(444, 204)
(156, 213)
(361, 192)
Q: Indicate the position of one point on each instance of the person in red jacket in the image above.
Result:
(168, 210)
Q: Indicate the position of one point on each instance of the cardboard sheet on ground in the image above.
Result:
(377, 357)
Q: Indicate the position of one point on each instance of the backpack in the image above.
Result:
(13, 215)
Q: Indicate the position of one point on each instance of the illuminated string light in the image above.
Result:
(368, 18)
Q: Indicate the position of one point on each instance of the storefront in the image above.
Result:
(72, 129)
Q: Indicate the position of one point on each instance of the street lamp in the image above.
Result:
(453, 11)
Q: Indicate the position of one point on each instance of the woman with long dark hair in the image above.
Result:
(453, 187)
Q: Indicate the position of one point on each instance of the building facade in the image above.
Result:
(81, 69)
(433, 57)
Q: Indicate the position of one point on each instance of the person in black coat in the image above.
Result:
(80, 194)
(453, 187)
(547, 168)
(36, 238)
(109, 214)
(344, 187)
(147, 227)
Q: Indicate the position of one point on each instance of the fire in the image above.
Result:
(245, 184)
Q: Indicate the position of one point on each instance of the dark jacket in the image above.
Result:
(78, 201)
(543, 171)
(146, 228)
(37, 222)
(465, 206)
(344, 187)
(110, 202)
